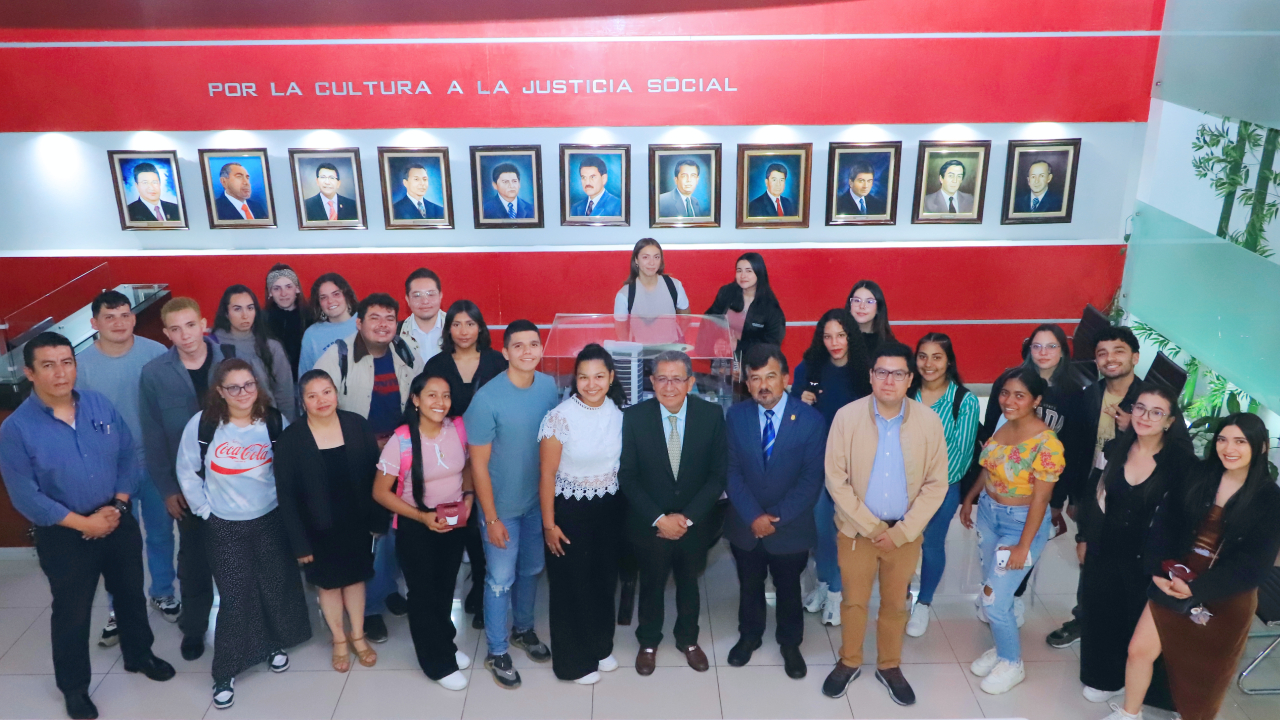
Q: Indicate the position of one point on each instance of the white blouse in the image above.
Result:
(592, 440)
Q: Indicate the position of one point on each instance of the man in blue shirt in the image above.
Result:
(70, 466)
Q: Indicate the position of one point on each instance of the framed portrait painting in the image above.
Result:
(506, 186)
(1040, 181)
(148, 190)
(951, 181)
(417, 193)
(684, 185)
(595, 185)
(862, 183)
(773, 185)
(328, 189)
(237, 188)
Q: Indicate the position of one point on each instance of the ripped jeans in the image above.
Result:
(511, 578)
(1001, 526)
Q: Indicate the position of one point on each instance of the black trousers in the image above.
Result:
(475, 553)
(430, 562)
(582, 584)
(195, 576)
(73, 566)
(753, 566)
(659, 559)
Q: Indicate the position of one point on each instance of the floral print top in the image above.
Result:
(1012, 469)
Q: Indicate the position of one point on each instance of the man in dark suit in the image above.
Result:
(328, 204)
(776, 454)
(857, 200)
(236, 201)
(771, 202)
(672, 471)
(1037, 196)
(507, 203)
(149, 207)
(594, 175)
(413, 206)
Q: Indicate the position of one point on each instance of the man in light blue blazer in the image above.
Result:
(680, 202)
(594, 175)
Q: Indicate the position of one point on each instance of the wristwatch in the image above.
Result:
(121, 505)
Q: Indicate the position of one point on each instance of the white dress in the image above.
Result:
(592, 440)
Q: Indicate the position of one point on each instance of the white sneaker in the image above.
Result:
(1003, 677)
(983, 665)
(608, 664)
(831, 609)
(462, 659)
(590, 678)
(1019, 611)
(454, 681)
(1095, 695)
(919, 621)
(1118, 713)
(816, 598)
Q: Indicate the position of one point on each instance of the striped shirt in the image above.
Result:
(960, 432)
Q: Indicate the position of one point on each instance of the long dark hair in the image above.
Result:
(216, 405)
(1201, 491)
(347, 292)
(879, 323)
(953, 371)
(635, 253)
(261, 333)
(816, 356)
(764, 293)
(1060, 373)
(412, 419)
(1176, 444)
(468, 308)
(595, 351)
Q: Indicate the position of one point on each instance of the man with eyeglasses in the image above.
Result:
(328, 205)
(887, 473)
(423, 328)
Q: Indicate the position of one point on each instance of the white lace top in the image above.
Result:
(592, 440)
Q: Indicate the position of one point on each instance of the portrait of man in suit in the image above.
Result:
(856, 198)
(149, 207)
(948, 198)
(506, 201)
(1040, 181)
(593, 176)
(679, 201)
(236, 201)
(773, 186)
(1036, 196)
(328, 204)
(414, 206)
(772, 202)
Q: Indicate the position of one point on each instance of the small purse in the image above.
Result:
(1196, 611)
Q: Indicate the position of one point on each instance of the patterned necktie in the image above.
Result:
(673, 446)
(159, 213)
(590, 204)
(422, 210)
(244, 208)
(511, 210)
(1035, 203)
(333, 209)
(766, 441)
(778, 202)
(951, 204)
(688, 207)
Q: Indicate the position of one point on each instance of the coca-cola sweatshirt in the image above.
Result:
(239, 480)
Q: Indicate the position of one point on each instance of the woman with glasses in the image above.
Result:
(230, 484)
(748, 303)
(866, 304)
(242, 331)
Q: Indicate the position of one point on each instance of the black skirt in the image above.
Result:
(343, 553)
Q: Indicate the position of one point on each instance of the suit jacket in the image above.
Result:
(1079, 435)
(166, 401)
(762, 206)
(609, 204)
(141, 212)
(937, 202)
(314, 208)
(644, 473)
(787, 487)
(223, 208)
(846, 206)
(404, 209)
(764, 323)
(670, 204)
(1051, 202)
(496, 209)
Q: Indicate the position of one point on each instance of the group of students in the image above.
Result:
(401, 447)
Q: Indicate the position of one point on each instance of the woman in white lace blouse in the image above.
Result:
(581, 440)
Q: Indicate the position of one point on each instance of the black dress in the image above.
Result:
(344, 552)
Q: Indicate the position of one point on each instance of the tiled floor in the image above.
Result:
(936, 664)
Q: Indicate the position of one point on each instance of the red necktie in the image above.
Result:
(244, 208)
(333, 210)
(778, 202)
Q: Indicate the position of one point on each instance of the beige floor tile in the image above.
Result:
(767, 692)
(816, 647)
(184, 697)
(32, 652)
(540, 695)
(1050, 692)
(941, 692)
(34, 697)
(292, 695)
(671, 693)
(14, 622)
(970, 637)
(932, 647)
(397, 695)
(398, 654)
(25, 590)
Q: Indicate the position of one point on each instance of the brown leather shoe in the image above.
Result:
(647, 660)
(697, 659)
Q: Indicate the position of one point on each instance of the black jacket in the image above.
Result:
(1080, 436)
(492, 364)
(764, 323)
(1169, 476)
(301, 479)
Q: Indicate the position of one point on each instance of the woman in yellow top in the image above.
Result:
(1020, 464)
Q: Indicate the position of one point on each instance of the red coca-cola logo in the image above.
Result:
(244, 453)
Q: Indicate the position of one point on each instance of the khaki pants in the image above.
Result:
(860, 564)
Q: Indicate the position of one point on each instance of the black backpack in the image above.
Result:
(209, 425)
(399, 346)
(671, 288)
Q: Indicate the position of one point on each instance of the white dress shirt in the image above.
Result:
(666, 431)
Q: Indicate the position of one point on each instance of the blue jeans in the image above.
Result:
(152, 514)
(386, 574)
(933, 552)
(824, 552)
(1001, 525)
(511, 578)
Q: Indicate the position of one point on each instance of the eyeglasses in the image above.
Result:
(869, 302)
(1151, 413)
(1037, 347)
(897, 375)
(424, 295)
(663, 380)
(326, 177)
(236, 390)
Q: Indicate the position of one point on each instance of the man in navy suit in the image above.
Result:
(1038, 197)
(507, 203)
(328, 204)
(857, 199)
(771, 203)
(593, 174)
(236, 201)
(149, 207)
(776, 470)
(413, 206)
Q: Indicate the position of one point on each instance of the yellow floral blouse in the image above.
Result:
(1011, 469)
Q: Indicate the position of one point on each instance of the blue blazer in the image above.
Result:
(404, 209)
(223, 208)
(787, 487)
(496, 209)
(609, 205)
(762, 206)
(1051, 202)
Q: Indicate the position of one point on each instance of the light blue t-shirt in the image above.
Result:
(508, 417)
(318, 338)
(117, 378)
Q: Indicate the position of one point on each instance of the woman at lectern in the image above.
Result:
(748, 303)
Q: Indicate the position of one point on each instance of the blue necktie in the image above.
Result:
(1035, 203)
(511, 210)
(862, 207)
(422, 210)
(590, 206)
(688, 207)
(766, 442)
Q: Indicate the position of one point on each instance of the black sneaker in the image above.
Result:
(278, 662)
(153, 668)
(192, 647)
(503, 673)
(477, 620)
(838, 681)
(224, 694)
(1065, 636)
(896, 683)
(80, 707)
(375, 629)
(528, 641)
(110, 635)
(169, 606)
(397, 604)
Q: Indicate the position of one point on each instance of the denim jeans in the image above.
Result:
(150, 511)
(386, 576)
(824, 552)
(934, 551)
(1001, 525)
(511, 578)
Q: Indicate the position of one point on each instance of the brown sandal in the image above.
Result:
(341, 661)
(367, 658)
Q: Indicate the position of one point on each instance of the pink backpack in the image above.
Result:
(401, 436)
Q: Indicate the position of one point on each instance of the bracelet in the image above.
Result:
(490, 522)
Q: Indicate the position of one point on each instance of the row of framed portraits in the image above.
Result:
(772, 189)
